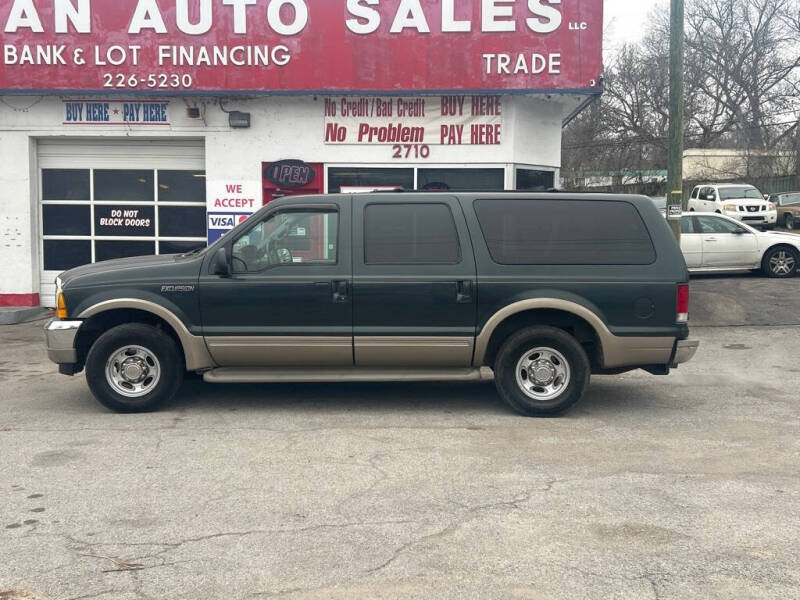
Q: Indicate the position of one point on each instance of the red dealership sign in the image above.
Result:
(299, 46)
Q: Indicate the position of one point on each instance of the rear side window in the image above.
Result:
(410, 234)
(563, 232)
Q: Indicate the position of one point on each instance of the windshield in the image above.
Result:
(734, 193)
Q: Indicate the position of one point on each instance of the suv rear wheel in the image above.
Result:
(134, 368)
(541, 371)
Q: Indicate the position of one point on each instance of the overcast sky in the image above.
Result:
(626, 19)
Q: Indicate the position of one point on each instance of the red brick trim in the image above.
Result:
(19, 300)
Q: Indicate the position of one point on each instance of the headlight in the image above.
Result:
(773, 206)
(730, 207)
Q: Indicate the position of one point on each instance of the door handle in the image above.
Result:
(464, 292)
(711, 239)
(341, 291)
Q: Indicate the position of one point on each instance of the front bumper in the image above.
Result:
(60, 341)
(769, 217)
(684, 351)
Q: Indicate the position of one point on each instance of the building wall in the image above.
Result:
(17, 224)
(724, 164)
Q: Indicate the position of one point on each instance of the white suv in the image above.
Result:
(741, 202)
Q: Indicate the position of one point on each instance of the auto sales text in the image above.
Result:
(364, 17)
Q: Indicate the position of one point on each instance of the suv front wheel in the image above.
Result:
(134, 368)
(541, 371)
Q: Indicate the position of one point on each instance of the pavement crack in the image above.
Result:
(470, 514)
(166, 547)
(95, 595)
(421, 540)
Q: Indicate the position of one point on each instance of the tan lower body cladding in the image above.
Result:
(250, 351)
(413, 351)
(253, 351)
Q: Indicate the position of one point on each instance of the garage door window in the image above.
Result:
(91, 215)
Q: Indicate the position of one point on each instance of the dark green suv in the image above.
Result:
(536, 291)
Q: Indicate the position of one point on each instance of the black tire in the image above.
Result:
(160, 345)
(788, 221)
(787, 269)
(523, 342)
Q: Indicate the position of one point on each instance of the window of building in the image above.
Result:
(181, 186)
(90, 215)
(406, 234)
(66, 184)
(367, 178)
(564, 232)
(533, 180)
(477, 180)
(121, 184)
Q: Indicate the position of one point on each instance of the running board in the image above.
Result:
(312, 375)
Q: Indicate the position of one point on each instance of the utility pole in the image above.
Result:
(675, 168)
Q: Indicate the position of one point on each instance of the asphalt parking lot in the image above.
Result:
(685, 486)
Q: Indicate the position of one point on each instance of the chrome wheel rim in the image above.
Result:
(133, 371)
(789, 222)
(543, 374)
(782, 263)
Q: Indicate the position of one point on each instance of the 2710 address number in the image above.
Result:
(400, 151)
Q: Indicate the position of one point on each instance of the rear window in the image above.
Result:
(410, 234)
(564, 232)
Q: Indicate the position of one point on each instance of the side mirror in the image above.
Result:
(220, 265)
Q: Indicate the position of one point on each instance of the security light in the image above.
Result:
(239, 120)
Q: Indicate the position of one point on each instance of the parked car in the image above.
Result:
(714, 242)
(741, 202)
(788, 205)
(390, 287)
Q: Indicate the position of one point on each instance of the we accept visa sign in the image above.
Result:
(229, 203)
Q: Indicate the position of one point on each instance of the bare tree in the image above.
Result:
(745, 54)
(742, 81)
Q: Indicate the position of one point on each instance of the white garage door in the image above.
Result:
(106, 199)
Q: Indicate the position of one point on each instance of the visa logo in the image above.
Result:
(222, 221)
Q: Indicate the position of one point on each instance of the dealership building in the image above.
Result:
(152, 127)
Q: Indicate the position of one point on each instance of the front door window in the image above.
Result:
(288, 238)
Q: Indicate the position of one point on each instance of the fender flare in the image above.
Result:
(616, 351)
(194, 347)
(482, 341)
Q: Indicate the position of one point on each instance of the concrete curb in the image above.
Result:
(15, 315)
